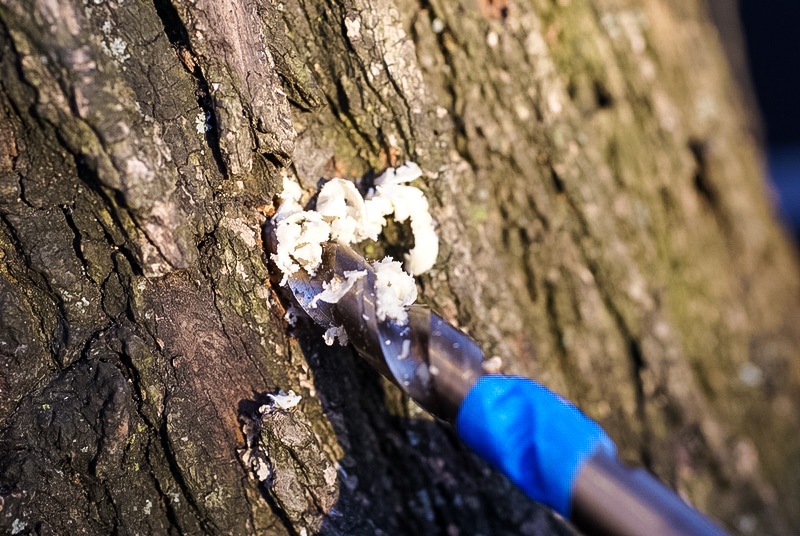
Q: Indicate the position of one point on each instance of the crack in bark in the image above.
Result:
(76, 240)
(155, 431)
(341, 104)
(206, 523)
(172, 515)
(114, 203)
(407, 137)
(367, 85)
(215, 300)
(178, 36)
(636, 359)
(60, 336)
(278, 511)
(706, 189)
(159, 433)
(638, 364)
(552, 319)
(460, 135)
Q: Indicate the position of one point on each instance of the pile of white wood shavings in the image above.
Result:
(343, 214)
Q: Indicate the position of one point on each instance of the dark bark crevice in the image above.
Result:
(638, 365)
(76, 241)
(178, 36)
(177, 474)
(114, 201)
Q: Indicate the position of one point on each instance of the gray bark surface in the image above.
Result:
(604, 226)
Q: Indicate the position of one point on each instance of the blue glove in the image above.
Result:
(538, 439)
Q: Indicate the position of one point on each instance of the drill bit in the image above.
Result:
(544, 444)
(433, 362)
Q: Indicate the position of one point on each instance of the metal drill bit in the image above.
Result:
(544, 444)
(429, 359)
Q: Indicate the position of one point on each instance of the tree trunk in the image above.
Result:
(604, 224)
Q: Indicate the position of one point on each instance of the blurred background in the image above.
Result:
(762, 41)
(771, 46)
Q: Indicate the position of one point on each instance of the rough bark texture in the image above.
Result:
(605, 230)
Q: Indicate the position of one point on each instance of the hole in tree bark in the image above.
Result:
(702, 185)
(558, 183)
(602, 95)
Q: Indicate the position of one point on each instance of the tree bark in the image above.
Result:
(604, 225)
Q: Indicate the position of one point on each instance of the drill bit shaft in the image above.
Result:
(556, 454)
(433, 362)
